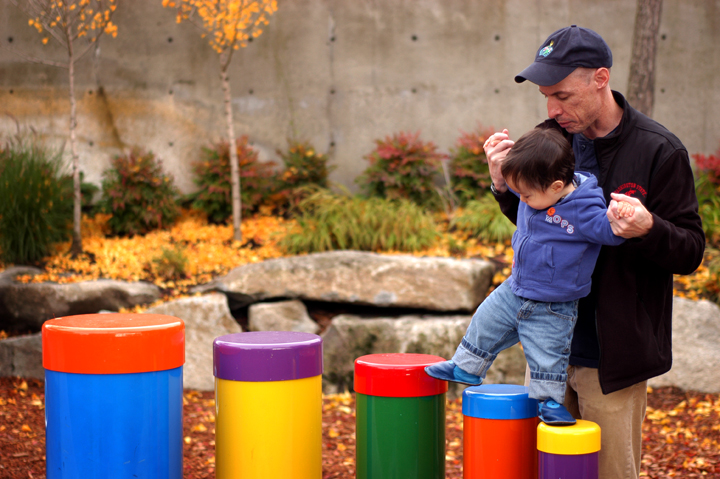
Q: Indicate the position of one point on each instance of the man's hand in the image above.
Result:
(496, 149)
(626, 223)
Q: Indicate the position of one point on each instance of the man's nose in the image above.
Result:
(553, 108)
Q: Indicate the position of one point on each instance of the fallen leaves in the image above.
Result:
(681, 434)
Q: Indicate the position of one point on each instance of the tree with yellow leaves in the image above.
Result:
(229, 25)
(76, 25)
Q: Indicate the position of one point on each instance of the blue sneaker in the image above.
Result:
(447, 371)
(554, 414)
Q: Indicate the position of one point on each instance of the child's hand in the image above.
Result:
(624, 210)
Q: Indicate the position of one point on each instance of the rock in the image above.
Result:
(281, 316)
(350, 337)
(437, 284)
(28, 306)
(696, 347)
(22, 356)
(206, 318)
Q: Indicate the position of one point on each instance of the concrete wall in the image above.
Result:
(342, 73)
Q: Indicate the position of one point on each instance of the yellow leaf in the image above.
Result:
(200, 427)
(25, 428)
(333, 433)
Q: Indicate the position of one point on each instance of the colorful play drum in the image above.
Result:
(268, 399)
(568, 452)
(113, 396)
(499, 432)
(400, 417)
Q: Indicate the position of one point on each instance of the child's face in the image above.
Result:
(538, 199)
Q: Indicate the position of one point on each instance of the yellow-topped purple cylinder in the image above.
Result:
(268, 400)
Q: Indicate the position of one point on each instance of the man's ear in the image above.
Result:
(602, 77)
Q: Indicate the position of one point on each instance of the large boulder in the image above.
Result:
(696, 347)
(22, 356)
(436, 284)
(281, 316)
(350, 337)
(28, 306)
(206, 318)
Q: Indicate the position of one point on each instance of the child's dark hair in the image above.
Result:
(538, 159)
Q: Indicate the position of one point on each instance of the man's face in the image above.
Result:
(574, 102)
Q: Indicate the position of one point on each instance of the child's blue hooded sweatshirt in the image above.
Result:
(556, 249)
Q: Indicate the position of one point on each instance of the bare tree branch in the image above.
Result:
(33, 59)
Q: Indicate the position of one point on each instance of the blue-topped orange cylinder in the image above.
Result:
(268, 399)
(400, 417)
(499, 432)
(113, 396)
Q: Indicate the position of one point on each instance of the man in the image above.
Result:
(623, 334)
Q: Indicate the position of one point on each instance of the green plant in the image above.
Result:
(469, 173)
(35, 201)
(87, 192)
(304, 166)
(213, 179)
(707, 188)
(171, 263)
(138, 194)
(484, 220)
(403, 166)
(328, 221)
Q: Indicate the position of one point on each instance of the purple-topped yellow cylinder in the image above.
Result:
(268, 401)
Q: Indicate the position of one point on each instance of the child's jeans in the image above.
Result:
(544, 329)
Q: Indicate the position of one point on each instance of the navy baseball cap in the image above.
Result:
(564, 51)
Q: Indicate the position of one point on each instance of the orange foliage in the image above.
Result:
(229, 24)
(81, 18)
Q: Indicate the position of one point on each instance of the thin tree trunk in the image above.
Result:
(641, 82)
(234, 165)
(76, 247)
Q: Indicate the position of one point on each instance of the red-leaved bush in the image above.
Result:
(403, 166)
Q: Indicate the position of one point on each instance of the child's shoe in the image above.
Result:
(447, 371)
(554, 414)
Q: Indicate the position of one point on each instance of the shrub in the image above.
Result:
(469, 173)
(138, 194)
(328, 221)
(36, 205)
(87, 192)
(403, 166)
(213, 179)
(707, 188)
(484, 220)
(171, 263)
(304, 166)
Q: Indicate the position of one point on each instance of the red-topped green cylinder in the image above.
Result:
(400, 417)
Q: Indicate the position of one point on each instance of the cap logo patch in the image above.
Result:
(547, 50)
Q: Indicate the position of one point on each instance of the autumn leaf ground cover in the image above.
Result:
(209, 251)
(681, 434)
(681, 431)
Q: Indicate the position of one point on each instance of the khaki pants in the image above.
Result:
(619, 414)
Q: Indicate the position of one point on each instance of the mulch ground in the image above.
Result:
(681, 434)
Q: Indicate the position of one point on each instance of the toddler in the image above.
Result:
(561, 224)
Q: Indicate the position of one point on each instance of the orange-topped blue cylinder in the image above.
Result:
(113, 396)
